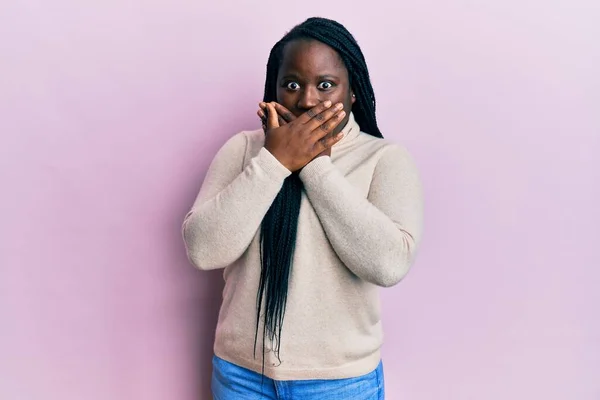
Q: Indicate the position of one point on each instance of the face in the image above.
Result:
(312, 72)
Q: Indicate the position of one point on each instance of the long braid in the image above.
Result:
(280, 224)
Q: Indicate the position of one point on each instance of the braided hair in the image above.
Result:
(279, 226)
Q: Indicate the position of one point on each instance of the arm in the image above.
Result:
(376, 237)
(231, 205)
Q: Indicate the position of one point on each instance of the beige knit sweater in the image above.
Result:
(359, 226)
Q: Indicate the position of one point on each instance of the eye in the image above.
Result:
(292, 86)
(326, 85)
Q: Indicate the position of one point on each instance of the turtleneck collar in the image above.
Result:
(350, 131)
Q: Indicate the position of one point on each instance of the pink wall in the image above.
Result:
(111, 113)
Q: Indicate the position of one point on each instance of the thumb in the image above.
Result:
(272, 117)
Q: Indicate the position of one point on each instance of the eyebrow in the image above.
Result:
(320, 77)
(328, 77)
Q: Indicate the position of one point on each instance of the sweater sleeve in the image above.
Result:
(231, 204)
(375, 237)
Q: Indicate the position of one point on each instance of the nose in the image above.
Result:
(309, 98)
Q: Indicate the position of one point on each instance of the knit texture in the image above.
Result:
(360, 223)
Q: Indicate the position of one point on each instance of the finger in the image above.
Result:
(262, 112)
(284, 112)
(328, 126)
(272, 120)
(320, 119)
(313, 112)
(263, 119)
(327, 142)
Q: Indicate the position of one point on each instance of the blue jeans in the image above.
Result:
(231, 382)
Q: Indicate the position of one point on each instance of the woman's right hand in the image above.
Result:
(298, 142)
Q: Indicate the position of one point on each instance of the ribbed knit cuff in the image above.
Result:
(271, 165)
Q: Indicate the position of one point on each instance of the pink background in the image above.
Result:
(110, 114)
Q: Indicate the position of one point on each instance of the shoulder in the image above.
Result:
(240, 143)
(256, 135)
(395, 151)
(235, 152)
(255, 140)
(391, 157)
(397, 166)
(383, 148)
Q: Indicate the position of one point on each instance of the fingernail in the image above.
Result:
(339, 106)
(342, 114)
(327, 103)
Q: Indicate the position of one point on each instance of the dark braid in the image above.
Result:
(279, 227)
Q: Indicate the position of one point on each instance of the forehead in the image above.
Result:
(310, 57)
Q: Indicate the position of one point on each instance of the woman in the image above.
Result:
(308, 216)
